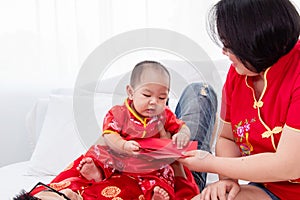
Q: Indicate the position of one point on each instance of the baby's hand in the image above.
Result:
(131, 147)
(181, 139)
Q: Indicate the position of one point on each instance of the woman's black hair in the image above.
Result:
(258, 32)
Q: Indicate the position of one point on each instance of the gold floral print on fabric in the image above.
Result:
(111, 191)
(61, 185)
(269, 133)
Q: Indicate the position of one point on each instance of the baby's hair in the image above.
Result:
(141, 66)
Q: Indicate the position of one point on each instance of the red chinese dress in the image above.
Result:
(128, 177)
(123, 120)
(257, 123)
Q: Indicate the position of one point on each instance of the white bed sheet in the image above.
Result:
(14, 178)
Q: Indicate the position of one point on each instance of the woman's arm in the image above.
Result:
(225, 146)
(267, 167)
(282, 165)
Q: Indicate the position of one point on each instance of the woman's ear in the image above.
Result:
(129, 91)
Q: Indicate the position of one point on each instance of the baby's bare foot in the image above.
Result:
(89, 170)
(160, 194)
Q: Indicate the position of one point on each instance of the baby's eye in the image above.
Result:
(162, 98)
(147, 95)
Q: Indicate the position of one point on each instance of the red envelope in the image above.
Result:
(159, 148)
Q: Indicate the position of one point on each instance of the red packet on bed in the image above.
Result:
(159, 148)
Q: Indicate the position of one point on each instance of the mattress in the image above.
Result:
(14, 178)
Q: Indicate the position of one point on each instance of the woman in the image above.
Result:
(260, 124)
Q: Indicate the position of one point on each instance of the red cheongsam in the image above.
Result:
(257, 123)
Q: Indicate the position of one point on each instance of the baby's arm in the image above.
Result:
(182, 137)
(118, 144)
(162, 132)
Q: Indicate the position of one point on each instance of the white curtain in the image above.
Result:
(43, 44)
(46, 41)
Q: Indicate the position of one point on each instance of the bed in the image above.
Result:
(53, 134)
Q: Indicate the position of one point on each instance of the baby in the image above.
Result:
(143, 115)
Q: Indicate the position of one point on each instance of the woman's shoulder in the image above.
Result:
(234, 79)
(289, 64)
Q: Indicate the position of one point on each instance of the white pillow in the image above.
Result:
(60, 143)
(35, 120)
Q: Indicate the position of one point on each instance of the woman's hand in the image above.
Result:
(197, 160)
(222, 190)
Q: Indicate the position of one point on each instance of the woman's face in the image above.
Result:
(237, 64)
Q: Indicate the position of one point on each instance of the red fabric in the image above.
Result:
(281, 105)
(158, 148)
(115, 185)
(152, 165)
(124, 120)
(134, 177)
(126, 184)
(186, 189)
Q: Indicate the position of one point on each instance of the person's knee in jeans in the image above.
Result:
(197, 107)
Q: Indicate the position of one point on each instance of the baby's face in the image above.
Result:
(150, 99)
(150, 96)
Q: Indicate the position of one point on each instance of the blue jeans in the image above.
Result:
(261, 186)
(197, 107)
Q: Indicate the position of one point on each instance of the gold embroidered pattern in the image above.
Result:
(117, 198)
(141, 197)
(143, 121)
(61, 185)
(258, 104)
(269, 133)
(110, 191)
